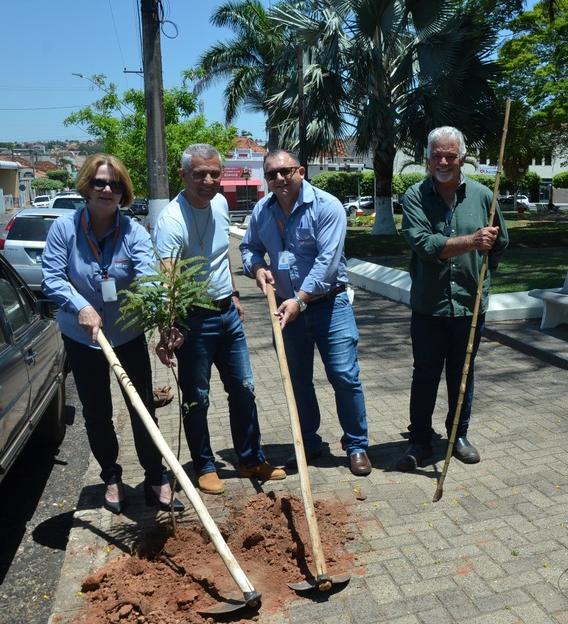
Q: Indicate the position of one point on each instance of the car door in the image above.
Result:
(15, 385)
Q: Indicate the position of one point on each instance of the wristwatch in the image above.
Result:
(301, 303)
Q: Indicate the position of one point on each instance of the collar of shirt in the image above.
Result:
(461, 184)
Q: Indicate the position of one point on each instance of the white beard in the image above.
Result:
(443, 176)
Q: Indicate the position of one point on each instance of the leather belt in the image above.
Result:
(330, 295)
(223, 304)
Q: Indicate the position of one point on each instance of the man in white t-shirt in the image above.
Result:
(197, 221)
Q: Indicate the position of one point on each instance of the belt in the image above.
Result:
(223, 304)
(330, 295)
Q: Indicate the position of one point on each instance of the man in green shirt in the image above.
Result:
(445, 221)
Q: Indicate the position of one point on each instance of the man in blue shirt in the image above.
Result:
(302, 229)
(197, 222)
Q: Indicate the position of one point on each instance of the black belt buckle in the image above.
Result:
(223, 304)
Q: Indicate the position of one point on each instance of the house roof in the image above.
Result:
(249, 143)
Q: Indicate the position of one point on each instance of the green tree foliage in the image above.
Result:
(403, 181)
(62, 175)
(560, 180)
(255, 61)
(119, 123)
(482, 178)
(343, 184)
(388, 72)
(45, 184)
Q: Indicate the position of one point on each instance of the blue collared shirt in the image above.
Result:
(313, 235)
(72, 274)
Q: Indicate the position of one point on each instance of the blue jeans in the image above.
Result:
(436, 341)
(330, 325)
(218, 338)
(91, 373)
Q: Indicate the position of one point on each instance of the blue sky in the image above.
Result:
(44, 43)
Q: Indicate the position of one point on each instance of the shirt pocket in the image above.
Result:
(306, 237)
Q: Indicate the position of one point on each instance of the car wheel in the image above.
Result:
(51, 428)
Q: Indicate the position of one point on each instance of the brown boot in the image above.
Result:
(263, 471)
(210, 483)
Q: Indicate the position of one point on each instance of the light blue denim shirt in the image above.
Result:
(313, 235)
(72, 274)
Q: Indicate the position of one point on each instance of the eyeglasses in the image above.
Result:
(285, 172)
(199, 176)
(99, 184)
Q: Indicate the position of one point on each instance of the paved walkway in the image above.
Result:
(492, 551)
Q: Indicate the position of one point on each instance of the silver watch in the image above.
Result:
(301, 303)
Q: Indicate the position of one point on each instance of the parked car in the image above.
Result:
(23, 240)
(68, 199)
(41, 201)
(360, 206)
(32, 370)
(127, 211)
(140, 208)
(508, 200)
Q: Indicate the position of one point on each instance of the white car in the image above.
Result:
(68, 200)
(41, 201)
(23, 240)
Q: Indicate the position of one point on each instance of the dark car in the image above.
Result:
(32, 370)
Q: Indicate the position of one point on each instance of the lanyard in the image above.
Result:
(105, 260)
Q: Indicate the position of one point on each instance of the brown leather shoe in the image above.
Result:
(263, 471)
(210, 483)
(359, 464)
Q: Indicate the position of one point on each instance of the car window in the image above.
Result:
(69, 202)
(14, 309)
(30, 228)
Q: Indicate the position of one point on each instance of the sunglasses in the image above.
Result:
(285, 172)
(199, 176)
(99, 184)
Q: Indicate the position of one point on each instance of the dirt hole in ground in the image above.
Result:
(172, 577)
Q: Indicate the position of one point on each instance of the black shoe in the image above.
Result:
(115, 507)
(153, 499)
(413, 456)
(359, 464)
(310, 456)
(465, 451)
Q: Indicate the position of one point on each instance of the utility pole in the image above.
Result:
(156, 160)
(301, 111)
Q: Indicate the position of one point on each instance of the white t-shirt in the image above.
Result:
(199, 232)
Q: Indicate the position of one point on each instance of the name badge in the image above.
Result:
(108, 289)
(283, 260)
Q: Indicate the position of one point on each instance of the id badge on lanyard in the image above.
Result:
(108, 289)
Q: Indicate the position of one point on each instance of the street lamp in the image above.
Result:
(245, 174)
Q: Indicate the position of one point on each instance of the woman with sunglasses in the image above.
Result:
(90, 256)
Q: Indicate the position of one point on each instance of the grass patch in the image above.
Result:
(537, 256)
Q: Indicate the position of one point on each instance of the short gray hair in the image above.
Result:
(202, 150)
(446, 131)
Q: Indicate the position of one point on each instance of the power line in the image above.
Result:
(117, 39)
(42, 108)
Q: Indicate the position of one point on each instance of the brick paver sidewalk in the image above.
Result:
(492, 551)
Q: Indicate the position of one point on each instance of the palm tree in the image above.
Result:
(252, 60)
(387, 72)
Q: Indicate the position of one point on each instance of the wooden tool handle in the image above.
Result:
(309, 510)
(229, 560)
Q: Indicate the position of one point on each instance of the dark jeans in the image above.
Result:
(218, 338)
(329, 324)
(436, 341)
(92, 377)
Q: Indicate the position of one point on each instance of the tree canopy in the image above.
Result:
(119, 123)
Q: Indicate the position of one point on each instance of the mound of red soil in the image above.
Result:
(172, 577)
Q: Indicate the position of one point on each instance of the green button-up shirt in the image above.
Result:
(448, 287)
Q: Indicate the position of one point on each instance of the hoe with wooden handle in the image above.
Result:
(251, 598)
(322, 581)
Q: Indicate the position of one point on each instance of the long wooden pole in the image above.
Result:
(471, 339)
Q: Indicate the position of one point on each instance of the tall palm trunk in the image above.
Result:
(383, 162)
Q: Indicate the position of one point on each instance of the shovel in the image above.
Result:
(251, 598)
(322, 581)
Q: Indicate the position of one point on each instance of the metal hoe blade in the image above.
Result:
(323, 583)
(250, 600)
